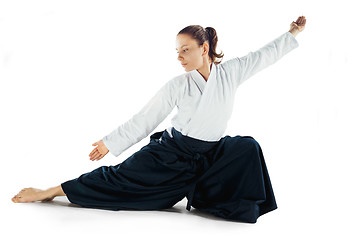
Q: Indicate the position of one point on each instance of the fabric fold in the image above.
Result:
(228, 178)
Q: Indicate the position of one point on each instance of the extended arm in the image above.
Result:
(142, 123)
(242, 68)
(247, 66)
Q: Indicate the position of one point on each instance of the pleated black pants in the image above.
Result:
(227, 178)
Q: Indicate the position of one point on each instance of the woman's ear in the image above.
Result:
(206, 47)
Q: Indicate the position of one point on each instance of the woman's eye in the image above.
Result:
(183, 50)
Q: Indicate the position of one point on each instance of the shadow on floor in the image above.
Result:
(178, 208)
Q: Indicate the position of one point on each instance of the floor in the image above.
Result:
(61, 219)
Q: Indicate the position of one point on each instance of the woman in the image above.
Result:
(224, 176)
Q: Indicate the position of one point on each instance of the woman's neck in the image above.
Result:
(205, 70)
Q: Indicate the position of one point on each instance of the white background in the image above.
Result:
(73, 71)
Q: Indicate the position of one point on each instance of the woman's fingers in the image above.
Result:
(99, 152)
(92, 152)
(303, 20)
(96, 155)
(300, 23)
(300, 20)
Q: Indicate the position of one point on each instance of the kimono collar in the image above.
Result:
(199, 79)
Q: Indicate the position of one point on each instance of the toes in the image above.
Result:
(19, 197)
(16, 199)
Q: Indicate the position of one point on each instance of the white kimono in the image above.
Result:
(204, 108)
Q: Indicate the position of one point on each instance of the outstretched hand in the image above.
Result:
(99, 152)
(299, 25)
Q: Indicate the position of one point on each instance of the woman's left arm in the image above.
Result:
(242, 68)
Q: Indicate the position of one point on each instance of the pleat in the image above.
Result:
(227, 178)
(152, 178)
(237, 186)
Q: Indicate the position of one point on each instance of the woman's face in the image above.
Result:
(190, 55)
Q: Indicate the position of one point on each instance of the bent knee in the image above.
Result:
(247, 142)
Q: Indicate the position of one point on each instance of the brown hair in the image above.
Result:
(201, 35)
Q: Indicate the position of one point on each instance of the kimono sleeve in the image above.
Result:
(242, 68)
(142, 123)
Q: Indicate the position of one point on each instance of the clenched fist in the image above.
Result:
(298, 26)
(99, 152)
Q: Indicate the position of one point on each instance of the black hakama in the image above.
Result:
(226, 178)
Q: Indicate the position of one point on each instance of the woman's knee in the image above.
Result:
(246, 141)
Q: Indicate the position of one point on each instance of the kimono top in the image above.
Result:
(204, 107)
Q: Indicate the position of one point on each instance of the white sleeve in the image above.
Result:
(144, 122)
(243, 68)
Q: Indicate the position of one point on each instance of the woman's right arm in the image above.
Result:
(144, 122)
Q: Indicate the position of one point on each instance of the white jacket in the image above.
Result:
(204, 107)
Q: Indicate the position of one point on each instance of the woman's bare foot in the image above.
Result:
(34, 194)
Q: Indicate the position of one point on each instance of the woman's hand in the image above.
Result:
(99, 152)
(298, 26)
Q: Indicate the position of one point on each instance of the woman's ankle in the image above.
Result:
(55, 191)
